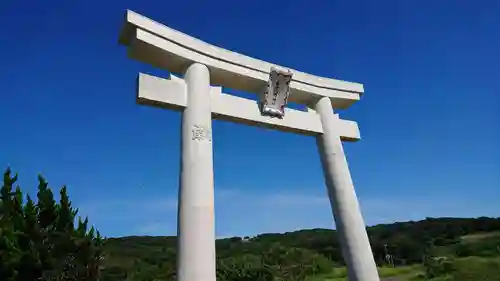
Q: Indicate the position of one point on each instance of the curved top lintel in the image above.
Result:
(342, 93)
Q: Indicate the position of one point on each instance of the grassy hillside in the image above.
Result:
(315, 253)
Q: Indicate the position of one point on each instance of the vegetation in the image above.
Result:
(40, 241)
(435, 248)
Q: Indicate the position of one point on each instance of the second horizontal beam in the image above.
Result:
(171, 94)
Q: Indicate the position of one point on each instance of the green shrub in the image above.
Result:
(438, 266)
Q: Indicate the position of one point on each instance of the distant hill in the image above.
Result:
(147, 257)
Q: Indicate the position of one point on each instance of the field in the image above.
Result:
(480, 261)
(402, 273)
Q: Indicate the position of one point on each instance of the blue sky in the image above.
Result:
(429, 117)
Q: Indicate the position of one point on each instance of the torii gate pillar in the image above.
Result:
(203, 65)
(349, 222)
(195, 217)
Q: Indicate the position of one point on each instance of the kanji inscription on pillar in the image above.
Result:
(201, 133)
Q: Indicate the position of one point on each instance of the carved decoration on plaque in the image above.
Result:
(274, 98)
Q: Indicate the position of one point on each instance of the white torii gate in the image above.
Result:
(204, 65)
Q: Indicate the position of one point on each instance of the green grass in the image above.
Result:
(340, 273)
(469, 269)
(399, 271)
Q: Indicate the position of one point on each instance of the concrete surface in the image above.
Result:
(171, 94)
(349, 222)
(196, 227)
(154, 43)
